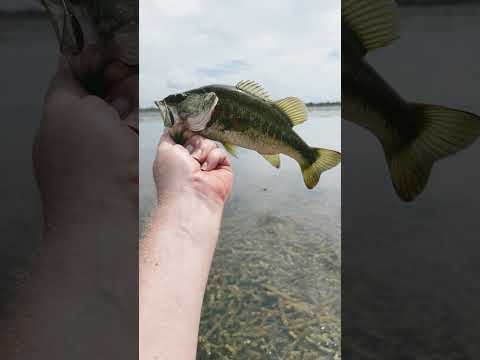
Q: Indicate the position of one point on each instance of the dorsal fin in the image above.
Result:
(252, 88)
(374, 22)
(294, 108)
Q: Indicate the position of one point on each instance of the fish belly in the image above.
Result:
(249, 139)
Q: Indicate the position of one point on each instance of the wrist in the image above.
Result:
(188, 199)
(187, 216)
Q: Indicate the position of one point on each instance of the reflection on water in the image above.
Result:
(274, 287)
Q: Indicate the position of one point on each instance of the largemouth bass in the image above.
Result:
(246, 116)
(93, 33)
(413, 135)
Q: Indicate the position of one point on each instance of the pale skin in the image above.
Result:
(193, 182)
(79, 302)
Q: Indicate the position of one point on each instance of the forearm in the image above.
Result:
(73, 292)
(175, 258)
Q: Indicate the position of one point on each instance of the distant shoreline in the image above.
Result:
(309, 106)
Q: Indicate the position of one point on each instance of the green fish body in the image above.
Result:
(413, 135)
(245, 116)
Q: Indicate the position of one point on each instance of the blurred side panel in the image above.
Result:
(409, 288)
(68, 191)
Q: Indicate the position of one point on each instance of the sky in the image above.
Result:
(291, 47)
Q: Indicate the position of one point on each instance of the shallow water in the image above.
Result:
(274, 288)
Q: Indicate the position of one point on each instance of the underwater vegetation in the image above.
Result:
(273, 293)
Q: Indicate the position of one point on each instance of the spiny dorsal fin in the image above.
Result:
(273, 159)
(294, 108)
(252, 88)
(375, 22)
(230, 149)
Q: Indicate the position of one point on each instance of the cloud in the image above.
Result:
(291, 47)
(227, 68)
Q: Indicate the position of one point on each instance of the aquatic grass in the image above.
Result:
(273, 292)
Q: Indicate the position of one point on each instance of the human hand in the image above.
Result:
(193, 182)
(199, 168)
(86, 165)
(87, 147)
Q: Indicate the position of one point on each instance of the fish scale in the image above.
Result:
(244, 115)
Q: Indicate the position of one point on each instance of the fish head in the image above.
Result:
(193, 109)
(94, 33)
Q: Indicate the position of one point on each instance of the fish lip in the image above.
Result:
(163, 107)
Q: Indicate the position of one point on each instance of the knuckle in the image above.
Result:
(91, 101)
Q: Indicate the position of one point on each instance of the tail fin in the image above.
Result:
(442, 132)
(325, 160)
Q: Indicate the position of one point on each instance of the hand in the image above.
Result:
(197, 168)
(86, 165)
(87, 147)
(193, 182)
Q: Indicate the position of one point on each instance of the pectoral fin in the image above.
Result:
(230, 149)
(273, 159)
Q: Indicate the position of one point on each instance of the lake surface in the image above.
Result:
(274, 288)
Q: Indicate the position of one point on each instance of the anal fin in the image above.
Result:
(273, 159)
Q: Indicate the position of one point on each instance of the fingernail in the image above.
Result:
(204, 166)
(122, 105)
(189, 148)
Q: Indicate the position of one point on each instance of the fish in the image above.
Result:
(94, 33)
(244, 115)
(413, 135)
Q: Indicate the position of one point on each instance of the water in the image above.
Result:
(274, 288)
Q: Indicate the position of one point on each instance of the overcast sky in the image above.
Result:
(291, 47)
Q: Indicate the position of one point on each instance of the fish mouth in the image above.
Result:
(166, 113)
